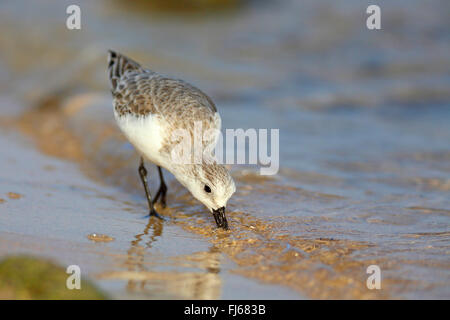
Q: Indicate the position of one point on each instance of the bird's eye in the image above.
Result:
(207, 189)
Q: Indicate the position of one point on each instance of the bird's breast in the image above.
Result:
(144, 133)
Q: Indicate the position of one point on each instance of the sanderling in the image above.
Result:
(148, 108)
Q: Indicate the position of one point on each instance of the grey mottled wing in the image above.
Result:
(143, 93)
(180, 104)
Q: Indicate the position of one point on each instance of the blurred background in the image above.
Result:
(364, 147)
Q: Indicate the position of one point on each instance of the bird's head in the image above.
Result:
(211, 184)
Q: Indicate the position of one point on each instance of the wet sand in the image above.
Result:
(58, 209)
(261, 248)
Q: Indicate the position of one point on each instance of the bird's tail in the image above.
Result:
(117, 65)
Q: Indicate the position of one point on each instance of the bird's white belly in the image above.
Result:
(145, 134)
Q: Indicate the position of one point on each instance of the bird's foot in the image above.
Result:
(154, 213)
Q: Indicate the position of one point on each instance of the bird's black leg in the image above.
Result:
(162, 189)
(143, 175)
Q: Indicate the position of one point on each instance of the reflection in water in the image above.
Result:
(142, 278)
(136, 253)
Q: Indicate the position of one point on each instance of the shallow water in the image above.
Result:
(364, 146)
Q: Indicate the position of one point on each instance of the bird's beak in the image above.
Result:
(221, 220)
